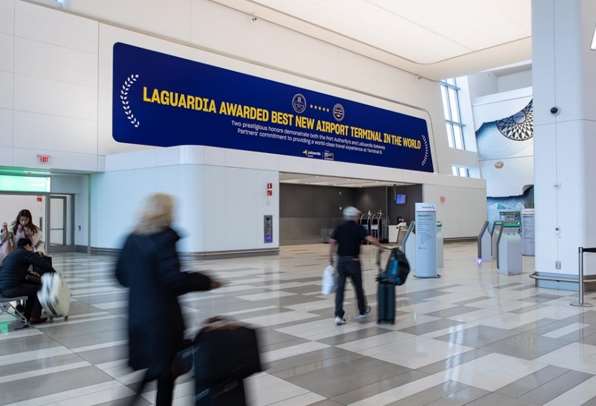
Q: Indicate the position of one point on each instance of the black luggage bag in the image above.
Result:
(225, 353)
(395, 274)
(385, 303)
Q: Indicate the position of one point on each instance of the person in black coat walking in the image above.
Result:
(150, 267)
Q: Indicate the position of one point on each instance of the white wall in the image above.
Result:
(55, 73)
(482, 84)
(462, 211)
(56, 83)
(48, 87)
(516, 80)
(491, 82)
(517, 156)
(148, 171)
(499, 105)
(218, 208)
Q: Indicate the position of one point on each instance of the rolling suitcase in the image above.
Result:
(385, 303)
(395, 274)
(225, 353)
(54, 295)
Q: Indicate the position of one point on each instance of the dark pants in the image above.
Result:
(165, 387)
(32, 308)
(348, 267)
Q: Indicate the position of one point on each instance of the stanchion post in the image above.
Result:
(580, 263)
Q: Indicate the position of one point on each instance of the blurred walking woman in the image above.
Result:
(149, 266)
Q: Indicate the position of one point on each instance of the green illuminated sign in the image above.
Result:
(35, 184)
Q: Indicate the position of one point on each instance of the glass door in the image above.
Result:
(60, 223)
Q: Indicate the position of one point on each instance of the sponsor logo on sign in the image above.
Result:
(311, 154)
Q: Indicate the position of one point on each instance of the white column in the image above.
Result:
(564, 76)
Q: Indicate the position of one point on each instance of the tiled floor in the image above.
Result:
(472, 337)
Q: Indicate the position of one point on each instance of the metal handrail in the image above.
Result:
(580, 254)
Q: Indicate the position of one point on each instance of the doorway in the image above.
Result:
(311, 206)
(11, 204)
(60, 215)
(52, 213)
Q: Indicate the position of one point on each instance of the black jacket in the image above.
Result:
(15, 267)
(149, 266)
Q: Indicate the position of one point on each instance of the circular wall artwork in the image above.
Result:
(520, 126)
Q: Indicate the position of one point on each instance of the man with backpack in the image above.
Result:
(345, 241)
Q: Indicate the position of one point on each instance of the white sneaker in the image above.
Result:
(340, 321)
(363, 317)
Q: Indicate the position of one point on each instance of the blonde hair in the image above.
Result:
(156, 215)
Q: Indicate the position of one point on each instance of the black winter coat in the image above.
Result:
(150, 267)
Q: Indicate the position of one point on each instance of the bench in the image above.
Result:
(6, 304)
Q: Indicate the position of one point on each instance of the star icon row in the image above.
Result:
(315, 107)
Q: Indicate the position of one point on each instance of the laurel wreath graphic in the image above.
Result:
(426, 151)
(124, 89)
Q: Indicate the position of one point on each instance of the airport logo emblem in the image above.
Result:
(338, 112)
(124, 102)
(299, 103)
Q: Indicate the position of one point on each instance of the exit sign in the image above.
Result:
(43, 159)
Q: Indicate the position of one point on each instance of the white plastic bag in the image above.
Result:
(329, 281)
(54, 295)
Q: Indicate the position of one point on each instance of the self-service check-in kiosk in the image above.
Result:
(510, 216)
(509, 250)
(426, 241)
(527, 232)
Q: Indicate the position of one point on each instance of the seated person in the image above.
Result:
(17, 280)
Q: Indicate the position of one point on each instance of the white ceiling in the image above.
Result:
(313, 180)
(433, 38)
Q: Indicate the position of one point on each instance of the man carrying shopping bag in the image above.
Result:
(345, 242)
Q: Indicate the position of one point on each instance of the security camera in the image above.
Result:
(554, 110)
(253, 19)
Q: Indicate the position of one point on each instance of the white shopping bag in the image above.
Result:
(54, 295)
(329, 281)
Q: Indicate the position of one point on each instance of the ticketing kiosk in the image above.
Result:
(509, 250)
(426, 241)
(495, 234)
(527, 232)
